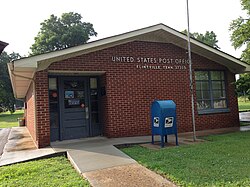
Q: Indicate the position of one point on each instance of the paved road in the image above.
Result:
(4, 133)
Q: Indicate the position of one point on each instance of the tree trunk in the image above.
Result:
(244, 94)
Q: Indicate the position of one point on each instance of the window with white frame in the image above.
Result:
(210, 90)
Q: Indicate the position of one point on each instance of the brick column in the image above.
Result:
(42, 108)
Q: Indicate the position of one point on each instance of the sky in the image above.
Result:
(20, 20)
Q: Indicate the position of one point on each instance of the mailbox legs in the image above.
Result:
(176, 139)
(162, 141)
(165, 139)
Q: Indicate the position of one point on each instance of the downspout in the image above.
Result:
(34, 91)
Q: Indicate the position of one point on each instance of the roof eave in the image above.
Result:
(10, 69)
(2, 46)
(160, 33)
(247, 70)
(41, 62)
(21, 78)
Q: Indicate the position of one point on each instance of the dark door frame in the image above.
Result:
(94, 127)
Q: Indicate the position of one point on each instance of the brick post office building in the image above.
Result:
(106, 87)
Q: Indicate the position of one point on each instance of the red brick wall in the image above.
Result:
(42, 108)
(130, 91)
(30, 112)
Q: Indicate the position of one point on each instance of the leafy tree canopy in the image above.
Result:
(240, 29)
(208, 38)
(62, 32)
(7, 99)
(243, 85)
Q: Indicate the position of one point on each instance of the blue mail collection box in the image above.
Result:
(163, 119)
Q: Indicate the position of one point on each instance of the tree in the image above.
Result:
(243, 85)
(60, 33)
(240, 37)
(7, 99)
(208, 38)
(240, 29)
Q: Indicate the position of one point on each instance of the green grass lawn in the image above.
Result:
(10, 120)
(243, 106)
(50, 172)
(221, 161)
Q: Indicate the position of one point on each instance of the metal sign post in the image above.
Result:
(190, 74)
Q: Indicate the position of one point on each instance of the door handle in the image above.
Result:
(87, 112)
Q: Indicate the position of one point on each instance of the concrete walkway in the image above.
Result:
(103, 165)
(20, 147)
(91, 154)
(4, 133)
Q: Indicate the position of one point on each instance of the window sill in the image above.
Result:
(214, 111)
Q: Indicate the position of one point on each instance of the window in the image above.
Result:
(74, 94)
(53, 102)
(94, 100)
(210, 91)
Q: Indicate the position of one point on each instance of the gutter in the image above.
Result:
(12, 69)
